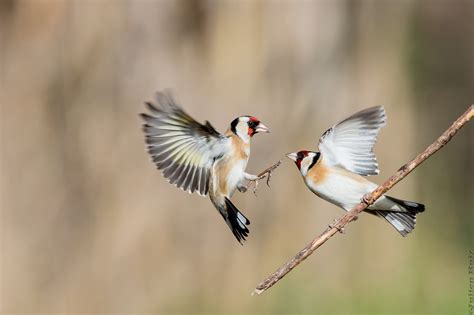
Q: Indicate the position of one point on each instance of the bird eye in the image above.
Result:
(300, 156)
(251, 124)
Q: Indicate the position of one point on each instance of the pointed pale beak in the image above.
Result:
(292, 156)
(262, 128)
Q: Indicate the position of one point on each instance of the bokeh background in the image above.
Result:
(89, 226)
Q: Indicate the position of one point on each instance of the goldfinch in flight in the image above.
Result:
(197, 158)
(337, 172)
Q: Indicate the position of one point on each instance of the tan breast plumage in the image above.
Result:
(318, 173)
(230, 170)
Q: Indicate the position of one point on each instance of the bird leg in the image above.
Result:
(251, 179)
(255, 178)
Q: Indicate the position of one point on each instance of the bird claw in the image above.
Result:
(267, 173)
(365, 199)
(255, 182)
(255, 187)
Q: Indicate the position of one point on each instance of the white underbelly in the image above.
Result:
(343, 191)
(227, 175)
(236, 175)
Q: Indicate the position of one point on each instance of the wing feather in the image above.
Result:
(349, 144)
(182, 148)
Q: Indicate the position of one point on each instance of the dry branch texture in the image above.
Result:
(88, 226)
(368, 200)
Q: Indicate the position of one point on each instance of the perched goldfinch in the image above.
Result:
(197, 158)
(336, 173)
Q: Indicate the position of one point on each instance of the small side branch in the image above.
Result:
(266, 173)
(367, 201)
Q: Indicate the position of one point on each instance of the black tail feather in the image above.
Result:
(403, 222)
(236, 221)
(411, 206)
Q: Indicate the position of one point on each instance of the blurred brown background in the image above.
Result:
(89, 226)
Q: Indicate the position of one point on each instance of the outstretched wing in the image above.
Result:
(181, 148)
(349, 144)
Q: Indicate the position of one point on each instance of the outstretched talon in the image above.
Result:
(255, 182)
(255, 187)
(333, 225)
(255, 178)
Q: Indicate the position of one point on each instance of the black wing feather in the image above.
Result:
(182, 148)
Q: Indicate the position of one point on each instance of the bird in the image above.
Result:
(338, 172)
(198, 159)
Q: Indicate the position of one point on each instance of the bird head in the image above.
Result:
(304, 160)
(247, 126)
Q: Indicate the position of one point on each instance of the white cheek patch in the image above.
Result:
(243, 129)
(304, 165)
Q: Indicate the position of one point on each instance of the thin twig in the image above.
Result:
(367, 201)
(262, 174)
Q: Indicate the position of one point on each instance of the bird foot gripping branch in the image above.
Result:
(266, 173)
(366, 201)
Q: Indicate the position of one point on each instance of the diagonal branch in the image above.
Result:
(367, 201)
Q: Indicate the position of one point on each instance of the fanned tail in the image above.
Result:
(236, 221)
(403, 222)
